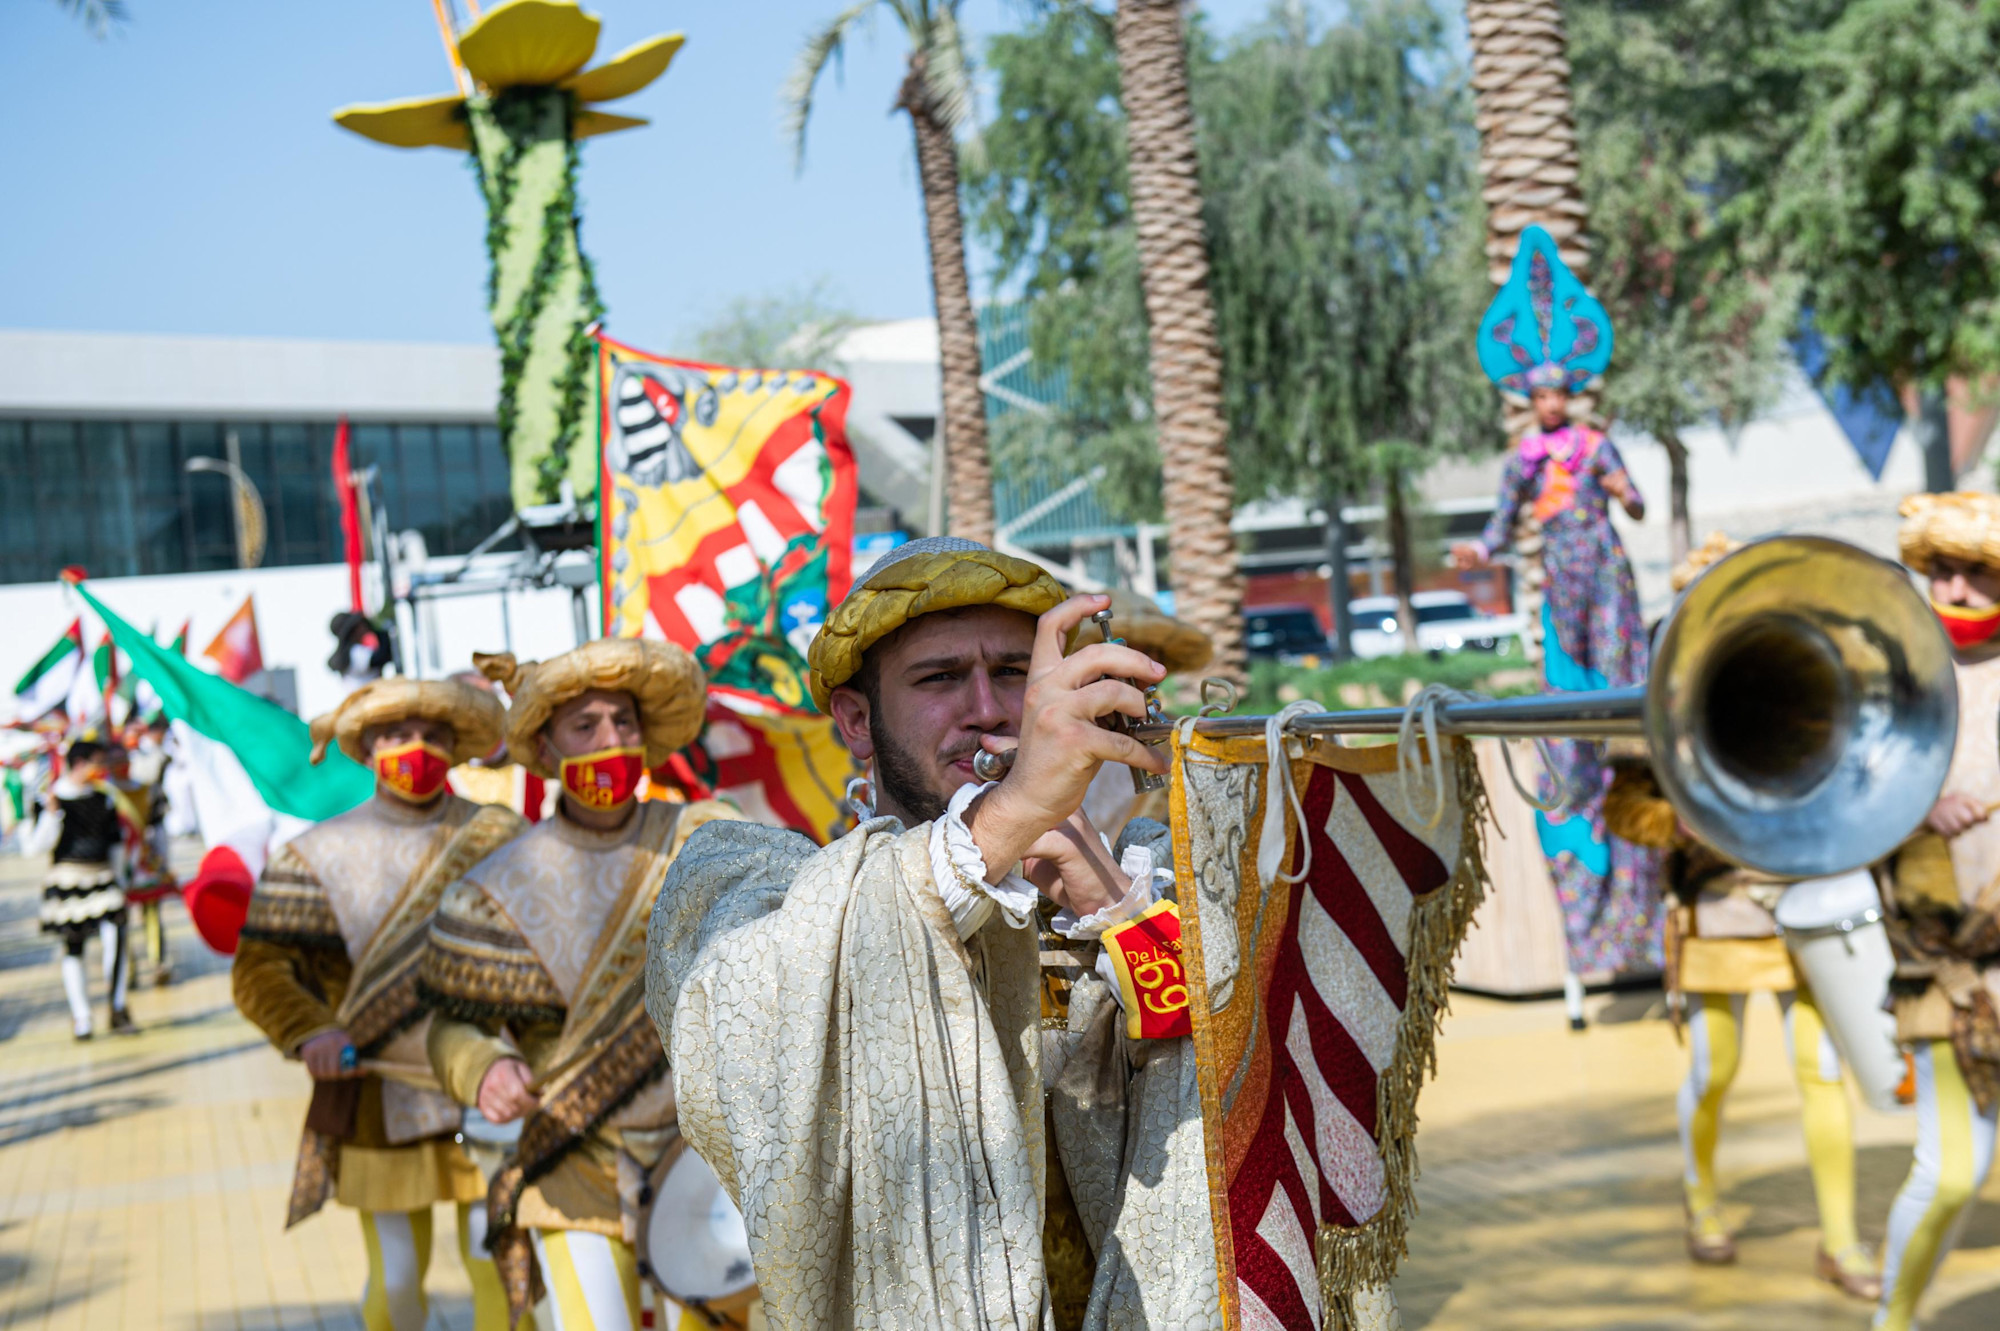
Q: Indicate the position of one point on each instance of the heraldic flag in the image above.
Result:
(728, 510)
(1333, 887)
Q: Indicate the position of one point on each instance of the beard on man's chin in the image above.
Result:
(906, 780)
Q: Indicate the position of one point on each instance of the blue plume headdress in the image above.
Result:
(1543, 329)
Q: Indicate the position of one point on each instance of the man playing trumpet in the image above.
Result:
(859, 1038)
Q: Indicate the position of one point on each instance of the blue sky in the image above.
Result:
(183, 176)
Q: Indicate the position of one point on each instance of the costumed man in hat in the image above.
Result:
(81, 829)
(532, 971)
(326, 966)
(859, 1034)
(1723, 945)
(1945, 926)
(1545, 336)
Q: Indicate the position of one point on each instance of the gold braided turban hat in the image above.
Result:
(1715, 547)
(1963, 525)
(920, 578)
(473, 715)
(666, 685)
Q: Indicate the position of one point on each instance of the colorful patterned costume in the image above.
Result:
(1544, 330)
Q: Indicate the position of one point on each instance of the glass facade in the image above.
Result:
(115, 496)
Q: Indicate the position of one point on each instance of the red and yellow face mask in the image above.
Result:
(1966, 626)
(413, 771)
(604, 779)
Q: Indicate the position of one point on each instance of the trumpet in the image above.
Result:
(1800, 713)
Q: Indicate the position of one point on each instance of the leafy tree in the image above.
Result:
(1887, 201)
(936, 94)
(799, 326)
(1669, 98)
(1337, 163)
(1867, 163)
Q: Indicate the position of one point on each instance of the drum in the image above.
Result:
(1834, 929)
(693, 1246)
(489, 1144)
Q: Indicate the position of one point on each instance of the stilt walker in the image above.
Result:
(1546, 337)
(533, 965)
(326, 967)
(1946, 925)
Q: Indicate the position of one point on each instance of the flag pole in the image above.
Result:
(451, 48)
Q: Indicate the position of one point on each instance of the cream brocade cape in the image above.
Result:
(536, 954)
(869, 1089)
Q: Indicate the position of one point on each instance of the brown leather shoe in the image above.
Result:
(1709, 1244)
(1853, 1272)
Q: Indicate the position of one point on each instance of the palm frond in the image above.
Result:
(795, 100)
(99, 16)
(947, 72)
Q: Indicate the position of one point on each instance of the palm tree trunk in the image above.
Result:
(969, 469)
(1186, 359)
(1527, 142)
(1680, 528)
(1527, 132)
(1402, 564)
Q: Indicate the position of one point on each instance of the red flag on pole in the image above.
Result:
(350, 511)
(236, 649)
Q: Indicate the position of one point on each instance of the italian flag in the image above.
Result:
(251, 753)
(47, 684)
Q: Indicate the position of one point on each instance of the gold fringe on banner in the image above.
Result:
(1367, 1255)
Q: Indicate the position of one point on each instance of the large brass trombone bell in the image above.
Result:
(1800, 712)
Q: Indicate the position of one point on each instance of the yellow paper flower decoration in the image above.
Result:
(521, 44)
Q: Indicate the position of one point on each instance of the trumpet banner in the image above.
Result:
(1316, 989)
(727, 499)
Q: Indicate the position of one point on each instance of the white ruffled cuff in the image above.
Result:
(1145, 882)
(959, 869)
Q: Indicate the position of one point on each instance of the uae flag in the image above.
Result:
(47, 684)
(255, 783)
(236, 651)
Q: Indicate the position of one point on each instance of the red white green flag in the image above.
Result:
(728, 509)
(47, 684)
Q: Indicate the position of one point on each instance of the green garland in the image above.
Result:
(513, 123)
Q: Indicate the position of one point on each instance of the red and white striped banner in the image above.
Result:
(1311, 1052)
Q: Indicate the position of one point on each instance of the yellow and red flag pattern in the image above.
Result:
(728, 528)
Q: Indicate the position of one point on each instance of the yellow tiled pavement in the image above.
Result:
(143, 1180)
(1551, 1198)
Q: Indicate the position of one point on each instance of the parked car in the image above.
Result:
(1446, 622)
(1287, 632)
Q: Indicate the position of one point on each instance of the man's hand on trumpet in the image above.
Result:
(1034, 814)
(1955, 814)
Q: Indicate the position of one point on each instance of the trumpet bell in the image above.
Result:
(1801, 709)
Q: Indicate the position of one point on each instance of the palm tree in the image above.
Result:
(100, 16)
(1528, 157)
(936, 92)
(1185, 357)
(1527, 131)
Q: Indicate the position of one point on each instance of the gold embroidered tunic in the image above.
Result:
(326, 946)
(535, 954)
